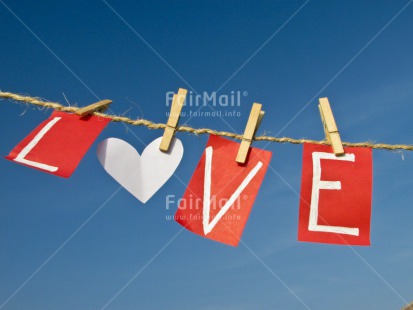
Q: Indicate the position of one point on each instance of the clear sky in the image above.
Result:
(83, 243)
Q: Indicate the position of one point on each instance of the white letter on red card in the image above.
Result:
(26, 150)
(318, 184)
(208, 226)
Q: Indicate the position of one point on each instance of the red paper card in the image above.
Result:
(335, 202)
(221, 193)
(58, 144)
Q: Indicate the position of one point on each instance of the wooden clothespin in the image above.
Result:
(98, 106)
(330, 127)
(253, 123)
(176, 107)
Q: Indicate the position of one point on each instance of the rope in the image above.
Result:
(200, 131)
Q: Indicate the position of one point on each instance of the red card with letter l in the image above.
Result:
(335, 200)
(58, 144)
(221, 193)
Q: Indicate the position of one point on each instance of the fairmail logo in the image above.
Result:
(233, 99)
(196, 203)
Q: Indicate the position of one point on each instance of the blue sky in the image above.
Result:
(83, 243)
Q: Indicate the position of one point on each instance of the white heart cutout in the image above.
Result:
(141, 175)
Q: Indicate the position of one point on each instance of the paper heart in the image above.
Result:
(142, 175)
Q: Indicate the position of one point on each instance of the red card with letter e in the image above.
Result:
(58, 144)
(335, 200)
(221, 193)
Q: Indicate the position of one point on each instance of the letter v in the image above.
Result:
(208, 226)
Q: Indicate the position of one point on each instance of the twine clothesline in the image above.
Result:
(199, 131)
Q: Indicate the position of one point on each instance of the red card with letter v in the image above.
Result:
(221, 193)
(335, 200)
(58, 144)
